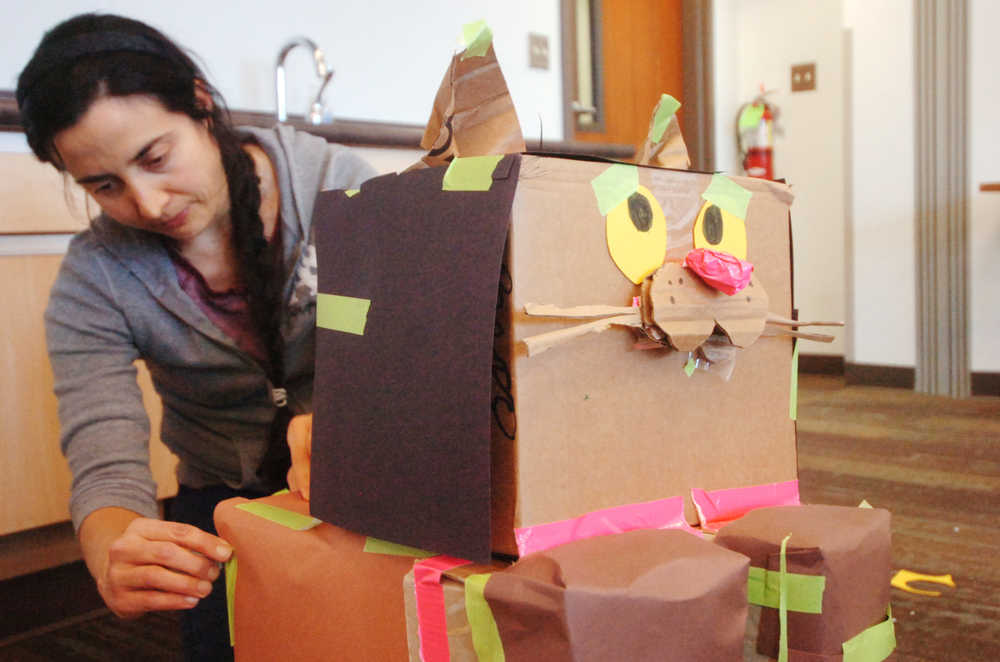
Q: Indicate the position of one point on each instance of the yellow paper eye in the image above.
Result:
(637, 235)
(718, 230)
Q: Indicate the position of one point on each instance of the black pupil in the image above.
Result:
(712, 225)
(640, 212)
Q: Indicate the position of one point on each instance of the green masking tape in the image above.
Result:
(783, 603)
(615, 185)
(727, 194)
(805, 592)
(340, 313)
(231, 596)
(351, 192)
(471, 173)
(793, 400)
(874, 644)
(666, 109)
(477, 38)
(482, 625)
(376, 546)
(287, 518)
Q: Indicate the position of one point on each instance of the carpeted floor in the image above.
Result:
(933, 462)
(100, 637)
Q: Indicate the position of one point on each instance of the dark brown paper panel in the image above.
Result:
(401, 438)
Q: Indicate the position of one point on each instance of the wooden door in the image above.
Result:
(640, 54)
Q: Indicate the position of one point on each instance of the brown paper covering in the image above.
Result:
(641, 595)
(631, 597)
(311, 595)
(851, 547)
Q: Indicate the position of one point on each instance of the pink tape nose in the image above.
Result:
(723, 271)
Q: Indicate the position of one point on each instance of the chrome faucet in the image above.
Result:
(325, 74)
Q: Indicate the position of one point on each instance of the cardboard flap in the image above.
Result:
(401, 438)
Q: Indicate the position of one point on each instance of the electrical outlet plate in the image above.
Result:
(803, 77)
(538, 51)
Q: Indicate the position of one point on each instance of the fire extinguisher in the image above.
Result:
(755, 126)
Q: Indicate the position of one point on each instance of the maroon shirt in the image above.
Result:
(229, 310)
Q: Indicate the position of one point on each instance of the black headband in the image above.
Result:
(67, 51)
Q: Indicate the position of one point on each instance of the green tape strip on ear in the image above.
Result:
(805, 592)
(614, 185)
(231, 570)
(340, 313)
(482, 625)
(287, 518)
(471, 173)
(666, 109)
(477, 38)
(727, 194)
(874, 644)
(376, 546)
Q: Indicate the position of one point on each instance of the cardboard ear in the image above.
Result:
(473, 114)
(664, 145)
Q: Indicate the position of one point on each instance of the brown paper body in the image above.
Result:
(851, 547)
(312, 595)
(641, 595)
(473, 113)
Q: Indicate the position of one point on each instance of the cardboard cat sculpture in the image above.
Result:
(438, 424)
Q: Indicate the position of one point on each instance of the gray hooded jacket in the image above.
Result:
(117, 300)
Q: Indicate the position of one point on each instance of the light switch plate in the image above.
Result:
(538, 51)
(803, 77)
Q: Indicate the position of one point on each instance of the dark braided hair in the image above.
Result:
(95, 55)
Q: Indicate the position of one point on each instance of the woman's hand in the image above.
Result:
(151, 565)
(300, 447)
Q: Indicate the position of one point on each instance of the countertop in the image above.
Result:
(360, 132)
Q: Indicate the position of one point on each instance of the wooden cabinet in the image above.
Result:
(34, 478)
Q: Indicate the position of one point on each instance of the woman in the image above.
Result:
(201, 264)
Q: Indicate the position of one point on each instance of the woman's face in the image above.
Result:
(147, 167)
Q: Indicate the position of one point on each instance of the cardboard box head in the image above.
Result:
(435, 428)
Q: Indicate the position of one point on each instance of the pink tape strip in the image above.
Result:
(431, 617)
(723, 506)
(662, 514)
